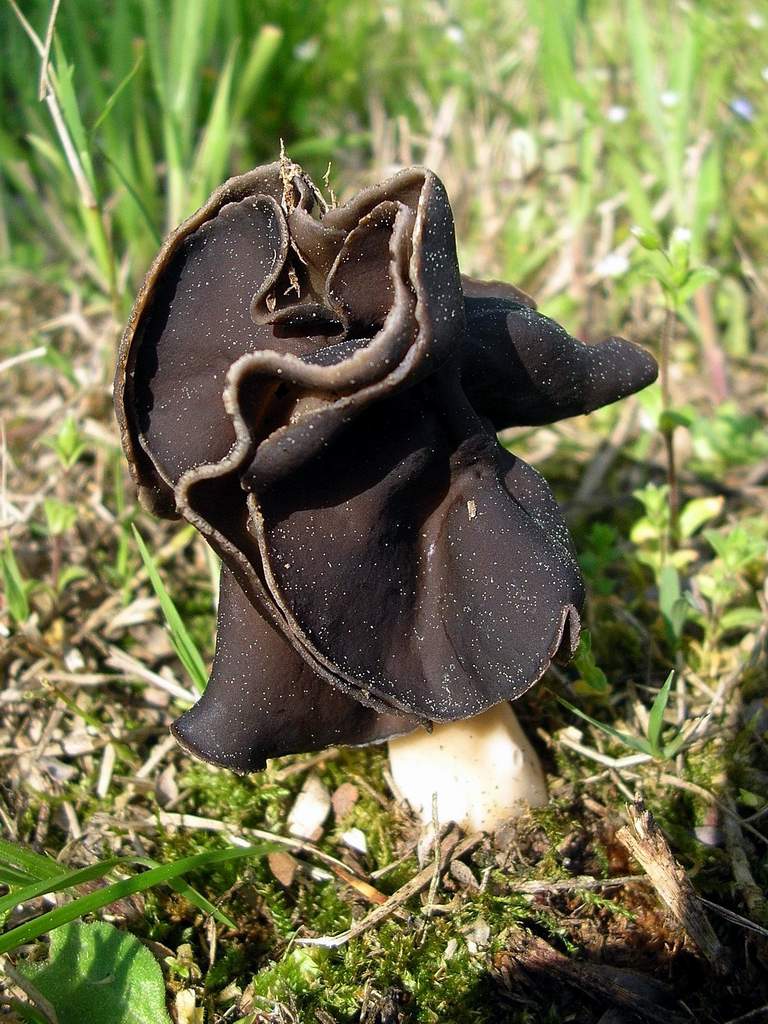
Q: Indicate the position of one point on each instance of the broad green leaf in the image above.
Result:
(96, 973)
(673, 604)
(694, 280)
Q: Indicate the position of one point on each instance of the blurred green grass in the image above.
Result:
(549, 120)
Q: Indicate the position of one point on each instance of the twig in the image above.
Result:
(645, 841)
(761, 1013)
(45, 56)
(432, 892)
(729, 811)
(49, 96)
(536, 886)
(403, 894)
(535, 961)
(734, 918)
(22, 357)
(35, 997)
(193, 821)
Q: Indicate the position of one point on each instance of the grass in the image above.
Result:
(608, 159)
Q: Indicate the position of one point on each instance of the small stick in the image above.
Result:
(403, 894)
(645, 841)
(29, 990)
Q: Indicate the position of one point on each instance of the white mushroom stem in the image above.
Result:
(483, 770)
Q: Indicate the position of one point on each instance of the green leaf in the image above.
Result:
(591, 674)
(118, 91)
(67, 443)
(698, 512)
(211, 158)
(645, 66)
(671, 418)
(182, 642)
(694, 280)
(60, 516)
(672, 603)
(96, 973)
(14, 586)
(750, 799)
(656, 716)
(263, 50)
(672, 747)
(71, 574)
(741, 618)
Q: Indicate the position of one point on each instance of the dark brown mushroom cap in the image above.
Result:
(312, 388)
(263, 699)
(519, 368)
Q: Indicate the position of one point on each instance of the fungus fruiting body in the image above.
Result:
(317, 390)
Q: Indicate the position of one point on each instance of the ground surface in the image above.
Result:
(555, 130)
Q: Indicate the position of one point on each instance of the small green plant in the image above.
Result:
(600, 553)
(671, 265)
(660, 744)
(183, 643)
(592, 679)
(724, 439)
(725, 584)
(674, 271)
(651, 530)
(60, 516)
(68, 443)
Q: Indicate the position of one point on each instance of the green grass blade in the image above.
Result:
(109, 105)
(656, 715)
(182, 642)
(13, 876)
(212, 155)
(36, 865)
(162, 875)
(63, 85)
(144, 212)
(645, 64)
(77, 876)
(56, 883)
(556, 20)
(263, 51)
(634, 742)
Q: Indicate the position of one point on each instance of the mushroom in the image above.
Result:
(317, 390)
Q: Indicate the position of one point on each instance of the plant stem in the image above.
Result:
(668, 428)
